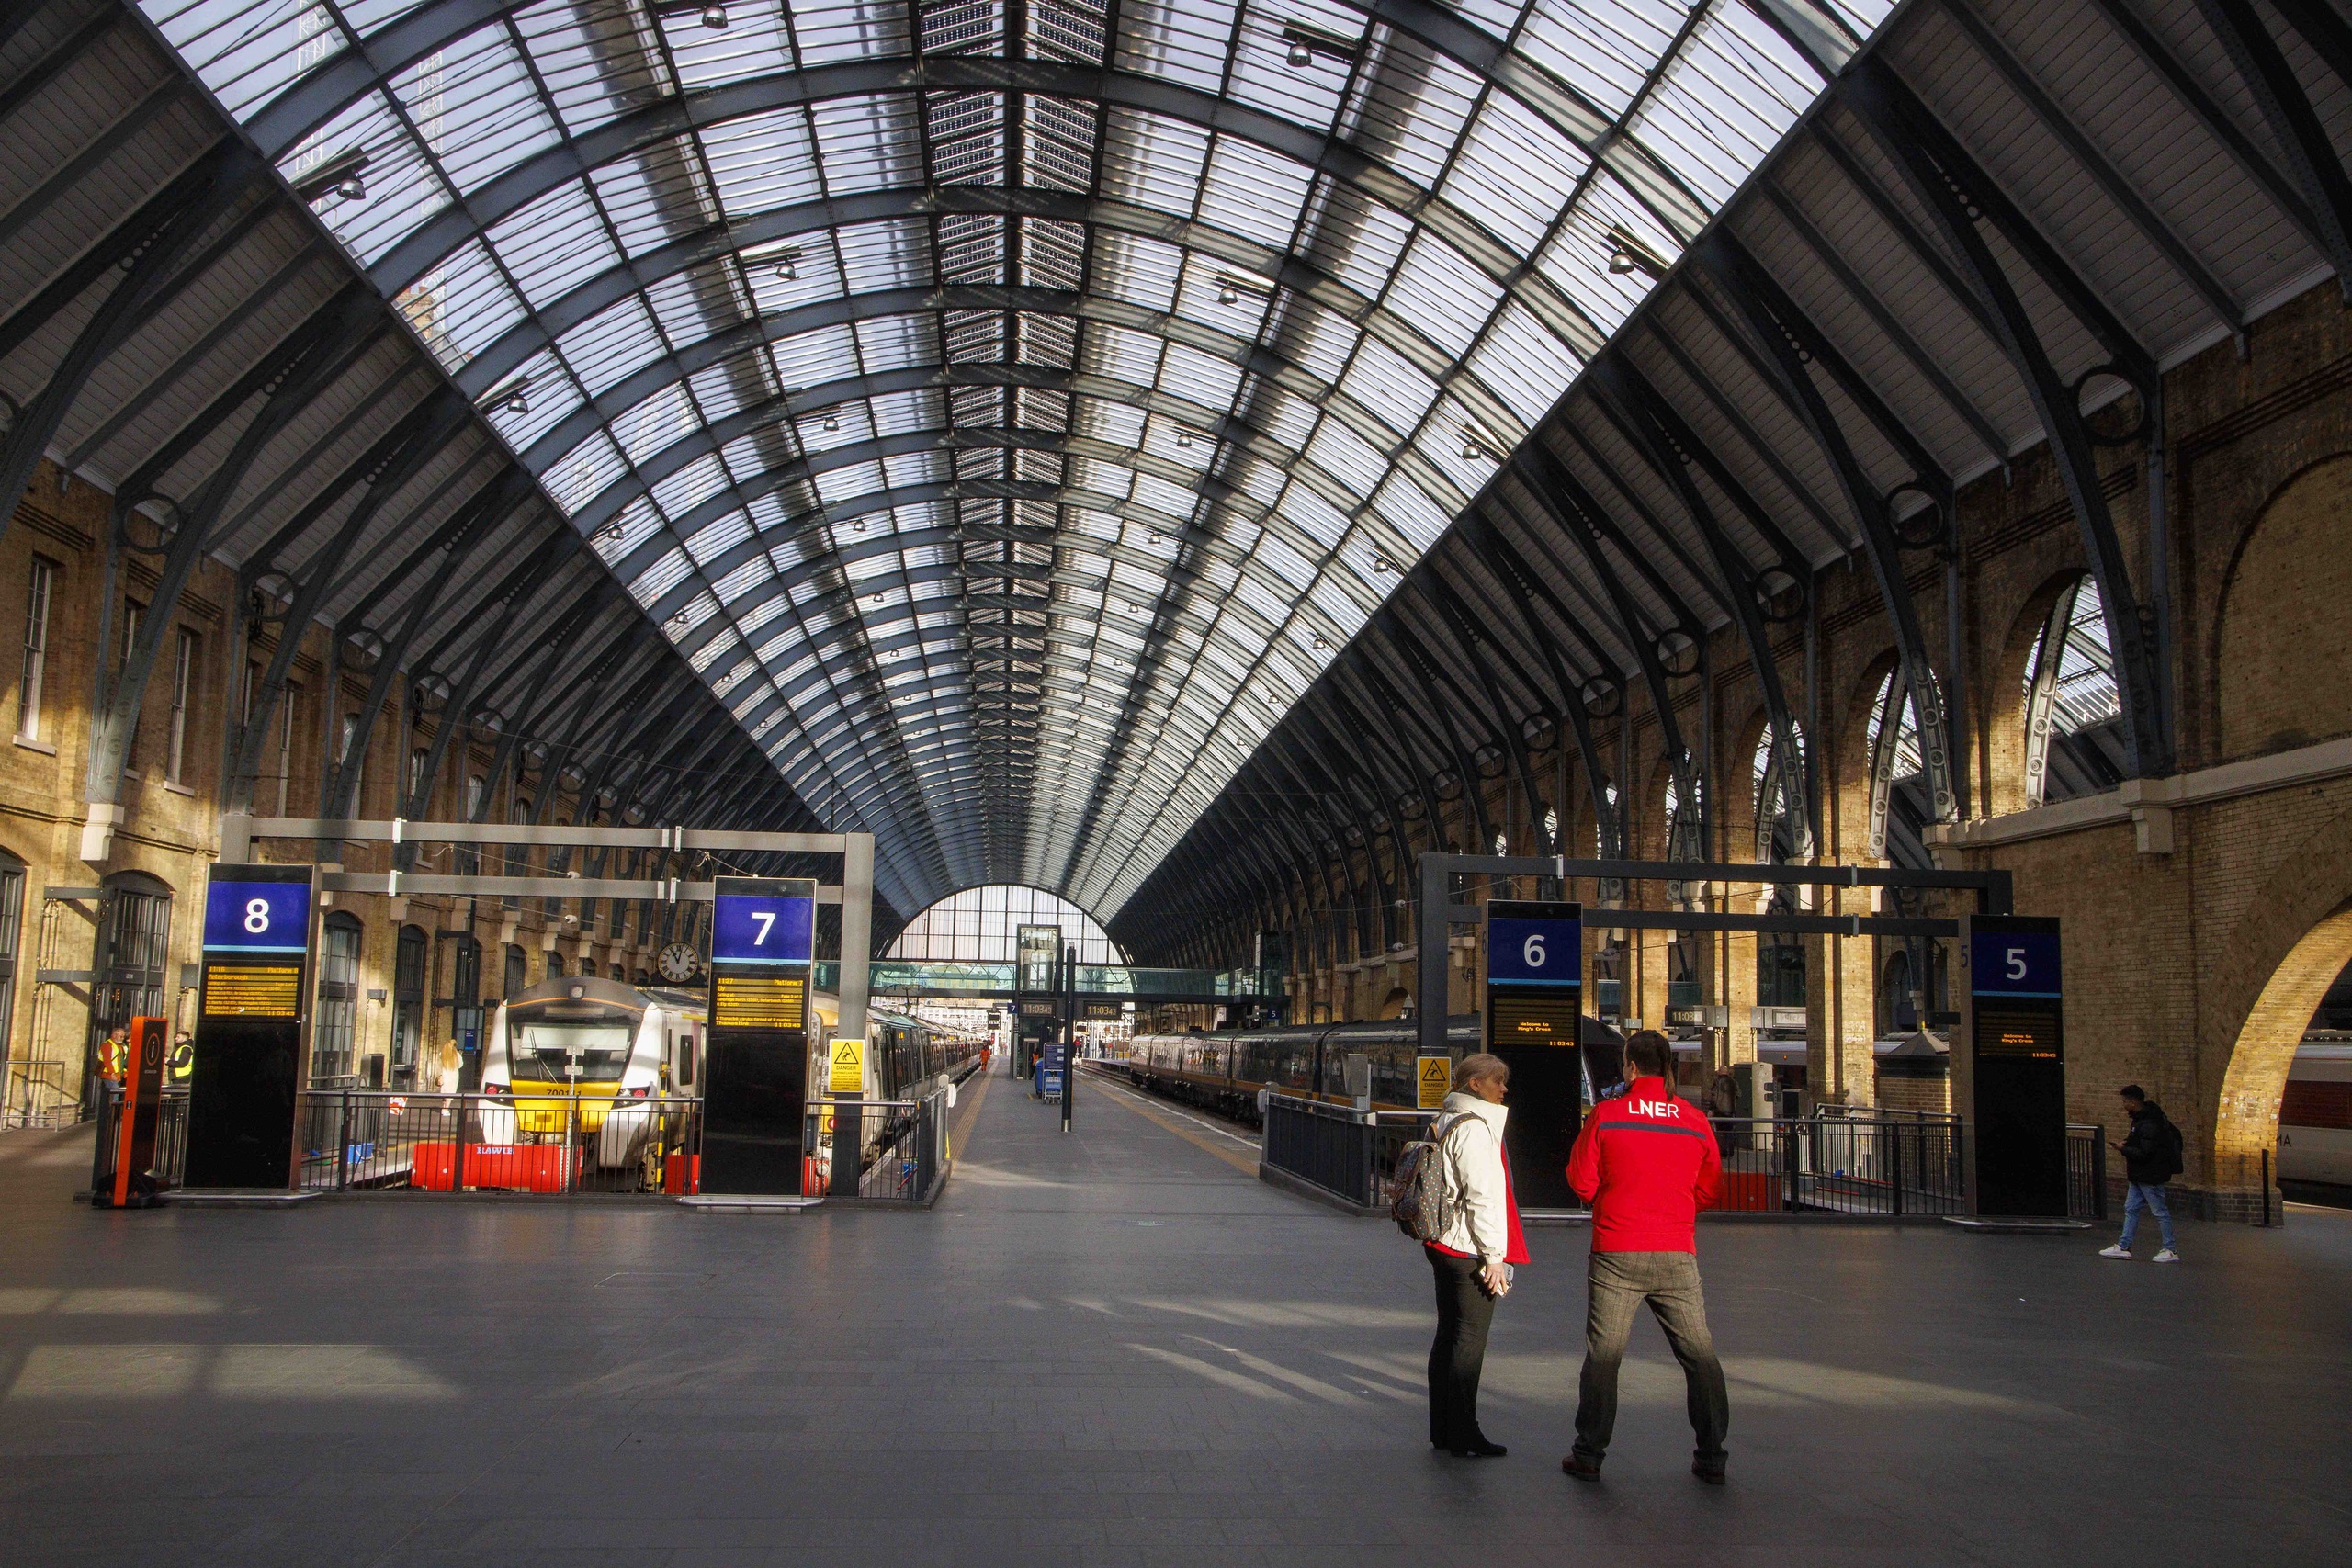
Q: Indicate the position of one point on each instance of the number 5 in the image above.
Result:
(2017, 964)
(766, 919)
(1531, 953)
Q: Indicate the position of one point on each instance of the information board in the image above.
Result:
(755, 1080)
(1534, 999)
(252, 1022)
(2009, 1065)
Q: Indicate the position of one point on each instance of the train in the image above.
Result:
(576, 1051)
(1225, 1070)
(2315, 1119)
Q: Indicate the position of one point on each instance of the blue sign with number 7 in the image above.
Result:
(762, 928)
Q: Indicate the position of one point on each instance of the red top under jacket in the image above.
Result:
(1647, 1163)
(1515, 1247)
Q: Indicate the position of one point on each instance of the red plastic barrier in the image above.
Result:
(682, 1174)
(1749, 1193)
(535, 1167)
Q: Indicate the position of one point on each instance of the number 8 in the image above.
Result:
(257, 915)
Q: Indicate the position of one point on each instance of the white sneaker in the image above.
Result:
(2115, 1251)
(2166, 1255)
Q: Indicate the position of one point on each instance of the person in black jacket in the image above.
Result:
(2151, 1152)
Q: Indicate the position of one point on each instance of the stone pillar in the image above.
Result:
(1841, 1021)
(1734, 984)
(1645, 950)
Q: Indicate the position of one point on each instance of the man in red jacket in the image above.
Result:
(1647, 1162)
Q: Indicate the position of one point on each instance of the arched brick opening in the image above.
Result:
(2281, 618)
(2295, 938)
(1846, 768)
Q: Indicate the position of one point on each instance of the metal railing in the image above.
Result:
(2086, 1172)
(1888, 1168)
(171, 1134)
(350, 1138)
(901, 1144)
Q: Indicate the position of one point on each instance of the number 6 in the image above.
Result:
(1530, 952)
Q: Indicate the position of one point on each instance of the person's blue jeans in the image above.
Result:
(2140, 1195)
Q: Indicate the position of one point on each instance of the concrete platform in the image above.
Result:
(1119, 1348)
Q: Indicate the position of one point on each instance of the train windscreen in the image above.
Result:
(540, 1050)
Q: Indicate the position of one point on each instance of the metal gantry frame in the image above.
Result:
(1440, 912)
(853, 894)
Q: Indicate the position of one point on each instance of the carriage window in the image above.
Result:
(333, 1042)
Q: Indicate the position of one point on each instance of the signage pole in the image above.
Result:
(1534, 1008)
(756, 1085)
(252, 1025)
(2008, 1067)
(1069, 1032)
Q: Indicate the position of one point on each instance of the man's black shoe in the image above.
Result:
(1714, 1477)
(1580, 1467)
(1481, 1450)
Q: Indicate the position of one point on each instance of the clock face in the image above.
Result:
(679, 962)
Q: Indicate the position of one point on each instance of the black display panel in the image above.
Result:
(1534, 996)
(755, 1080)
(2009, 1069)
(249, 1025)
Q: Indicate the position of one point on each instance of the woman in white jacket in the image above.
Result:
(1472, 1257)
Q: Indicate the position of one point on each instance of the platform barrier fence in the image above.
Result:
(903, 1148)
(1879, 1167)
(2086, 1171)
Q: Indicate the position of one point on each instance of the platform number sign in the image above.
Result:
(258, 916)
(2009, 1067)
(1533, 1007)
(761, 1068)
(762, 928)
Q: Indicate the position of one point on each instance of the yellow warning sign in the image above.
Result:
(848, 1074)
(1434, 1077)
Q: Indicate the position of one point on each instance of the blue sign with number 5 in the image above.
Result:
(1523, 952)
(258, 916)
(2013, 964)
(761, 928)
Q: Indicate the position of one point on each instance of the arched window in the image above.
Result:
(980, 925)
(2074, 713)
(134, 945)
(334, 1034)
(1901, 803)
(1780, 840)
(555, 966)
(517, 971)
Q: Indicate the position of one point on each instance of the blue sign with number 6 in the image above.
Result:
(1534, 952)
(258, 916)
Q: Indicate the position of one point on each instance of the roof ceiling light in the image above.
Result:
(1628, 255)
(1302, 44)
(787, 265)
(514, 398)
(339, 176)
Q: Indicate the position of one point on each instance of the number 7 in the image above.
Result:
(767, 920)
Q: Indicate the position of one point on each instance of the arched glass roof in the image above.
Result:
(1011, 409)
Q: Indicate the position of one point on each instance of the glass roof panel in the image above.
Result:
(790, 286)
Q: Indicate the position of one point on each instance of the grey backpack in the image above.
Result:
(1425, 1199)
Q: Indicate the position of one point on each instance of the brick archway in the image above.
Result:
(2293, 941)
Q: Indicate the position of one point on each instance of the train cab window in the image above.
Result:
(547, 1038)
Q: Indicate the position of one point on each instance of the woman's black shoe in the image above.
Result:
(1481, 1450)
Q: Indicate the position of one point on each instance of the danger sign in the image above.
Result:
(1435, 1076)
(848, 1074)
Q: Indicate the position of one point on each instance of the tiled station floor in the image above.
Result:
(1117, 1347)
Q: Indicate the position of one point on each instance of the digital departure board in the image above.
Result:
(2009, 1065)
(251, 1025)
(1534, 999)
(755, 1087)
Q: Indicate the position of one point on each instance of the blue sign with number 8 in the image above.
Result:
(258, 916)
